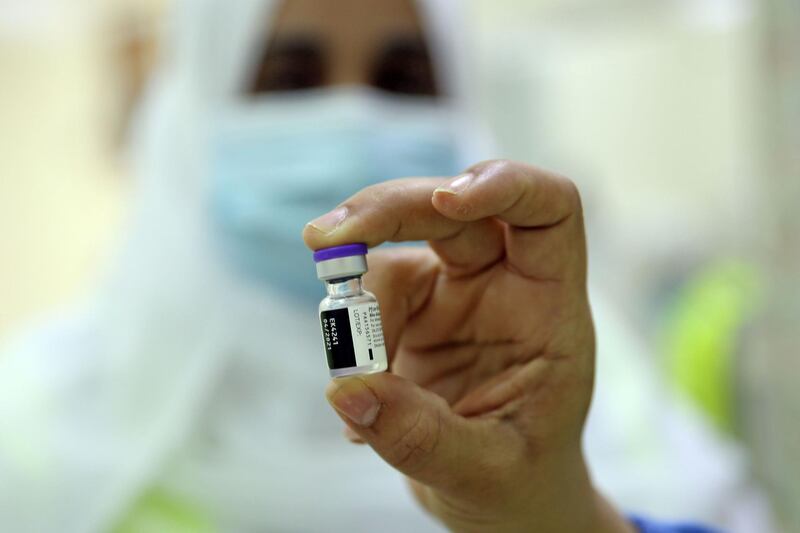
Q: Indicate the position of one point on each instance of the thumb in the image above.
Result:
(415, 431)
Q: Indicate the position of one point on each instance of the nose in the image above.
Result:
(349, 67)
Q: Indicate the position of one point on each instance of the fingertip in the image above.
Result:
(309, 236)
(456, 185)
(450, 198)
(354, 399)
(331, 388)
(314, 237)
(352, 436)
(453, 206)
(317, 233)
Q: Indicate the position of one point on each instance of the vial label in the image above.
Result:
(353, 336)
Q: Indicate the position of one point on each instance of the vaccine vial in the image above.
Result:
(352, 333)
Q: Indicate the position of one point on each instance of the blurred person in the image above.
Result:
(184, 394)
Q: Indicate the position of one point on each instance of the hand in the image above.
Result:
(491, 346)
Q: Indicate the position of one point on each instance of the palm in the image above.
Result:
(474, 332)
(443, 345)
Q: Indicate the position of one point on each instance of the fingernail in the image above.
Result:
(457, 185)
(354, 399)
(329, 222)
(352, 436)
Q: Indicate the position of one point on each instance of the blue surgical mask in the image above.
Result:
(278, 162)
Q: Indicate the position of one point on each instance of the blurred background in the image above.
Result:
(679, 119)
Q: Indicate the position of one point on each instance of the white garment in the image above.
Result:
(269, 454)
(174, 374)
(96, 405)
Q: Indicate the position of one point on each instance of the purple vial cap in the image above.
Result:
(337, 252)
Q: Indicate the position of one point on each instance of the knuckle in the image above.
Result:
(378, 192)
(415, 447)
(367, 196)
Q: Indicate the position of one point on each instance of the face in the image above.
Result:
(324, 43)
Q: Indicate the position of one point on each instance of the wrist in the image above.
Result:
(555, 495)
(588, 511)
(575, 504)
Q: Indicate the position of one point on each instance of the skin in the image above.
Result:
(488, 328)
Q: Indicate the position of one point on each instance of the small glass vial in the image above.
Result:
(352, 332)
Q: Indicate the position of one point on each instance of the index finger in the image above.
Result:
(397, 210)
(435, 209)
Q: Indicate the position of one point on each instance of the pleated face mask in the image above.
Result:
(283, 160)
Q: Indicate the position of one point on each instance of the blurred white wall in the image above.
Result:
(61, 184)
(652, 107)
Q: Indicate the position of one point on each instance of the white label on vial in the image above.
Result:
(353, 336)
(367, 332)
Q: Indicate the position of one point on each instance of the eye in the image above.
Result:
(288, 65)
(404, 67)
